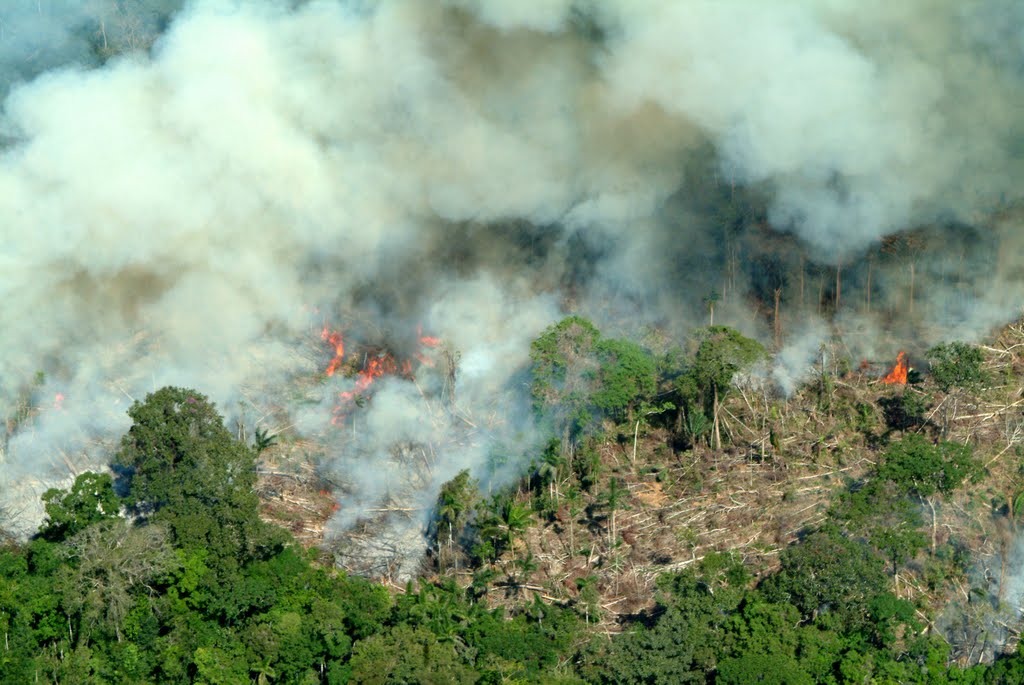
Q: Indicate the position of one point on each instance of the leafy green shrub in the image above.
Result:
(579, 377)
(921, 468)
(956, 365)
(627, 376)
(767, 669)
(185, 470)
(829, 578)
(586, 466)
(91, 499)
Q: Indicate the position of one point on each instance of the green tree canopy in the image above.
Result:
(829, 578)
(921, 468)
(723, 352)
(187, 471)
(626, 375)
(561, 358)
(451, 514)
(405, 655)
(90, 499)
(766, 669)
(455, 503)
(563, 373)
(956, 365)
(578, 376)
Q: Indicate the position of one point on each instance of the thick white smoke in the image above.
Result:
(470, 166)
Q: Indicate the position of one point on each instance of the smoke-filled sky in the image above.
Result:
(180, 190)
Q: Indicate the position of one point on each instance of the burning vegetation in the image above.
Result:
(489, 168)
(898, 375)
(367, 364)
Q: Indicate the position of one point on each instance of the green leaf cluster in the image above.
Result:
(578, 377)
(722, 353)
(919, 467)
(187, 472)
(956, 365)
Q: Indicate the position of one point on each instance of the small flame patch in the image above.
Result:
(375, 366)
(898, 375)
(337, 342)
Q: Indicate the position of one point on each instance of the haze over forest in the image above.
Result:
(506, 341)
(191, 192)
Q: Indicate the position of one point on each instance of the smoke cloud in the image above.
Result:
(190, 206)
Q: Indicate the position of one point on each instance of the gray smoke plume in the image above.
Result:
(174, 213)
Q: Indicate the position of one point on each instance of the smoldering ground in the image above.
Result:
(174, 212)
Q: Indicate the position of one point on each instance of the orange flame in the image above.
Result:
(375, 366)
(334, 504)
(337, 341)
(898, 375)
(427, 340)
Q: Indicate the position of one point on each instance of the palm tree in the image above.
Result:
(482, 578)
(613, 499)
(573, 509)
(521, 572)
(549, 471)
(264, 673)
(513, 520)
(263, 440)
(453, 503)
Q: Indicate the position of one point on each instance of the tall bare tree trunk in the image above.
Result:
(636, 434)
(803, 303)
(839, 283)
(714, 410)
(1004, 557)
(451, 362)
(734, 264)
(821, 290)
(867, 294)
(911, 308)
(935, 525)
(777, 323)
